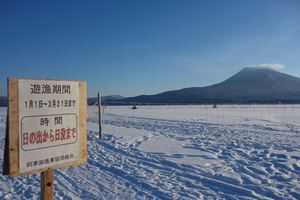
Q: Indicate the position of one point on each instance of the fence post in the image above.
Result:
(99, 118)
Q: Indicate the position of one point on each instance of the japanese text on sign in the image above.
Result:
(48, 114)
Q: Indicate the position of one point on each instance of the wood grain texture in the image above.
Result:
(47, 185)
(82, 121)
(13, 126)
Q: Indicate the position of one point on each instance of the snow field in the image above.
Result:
(180, 152)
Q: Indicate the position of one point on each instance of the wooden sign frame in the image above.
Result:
(11, 161)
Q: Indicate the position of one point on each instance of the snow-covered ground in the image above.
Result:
(180, 152)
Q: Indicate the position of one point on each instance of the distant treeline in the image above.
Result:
(120, 103)
(93, 101)
(3, 102)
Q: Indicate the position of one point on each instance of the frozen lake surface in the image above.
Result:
(180, 152)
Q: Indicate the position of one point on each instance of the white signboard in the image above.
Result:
(48, 123)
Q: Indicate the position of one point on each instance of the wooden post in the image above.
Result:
(99, 112)
(5, 166)
(47, 185)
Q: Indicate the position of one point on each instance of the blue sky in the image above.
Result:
(145, 47)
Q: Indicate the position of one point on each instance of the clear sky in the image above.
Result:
(146, 46)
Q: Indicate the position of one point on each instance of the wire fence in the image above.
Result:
(219, 114)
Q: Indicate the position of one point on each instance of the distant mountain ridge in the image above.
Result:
(250, 85)
(3, 101)
(111, 99)
(105, 99)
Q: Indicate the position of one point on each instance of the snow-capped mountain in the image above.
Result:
(250, 85)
